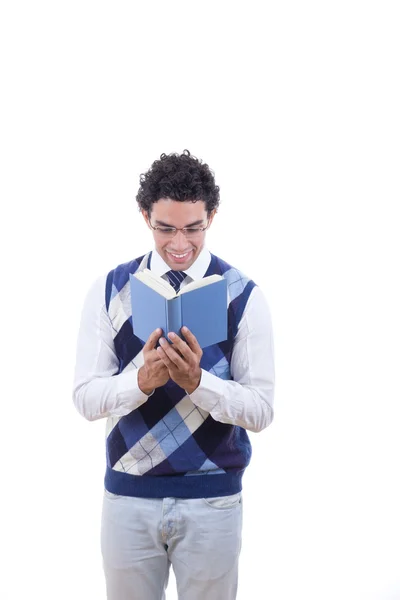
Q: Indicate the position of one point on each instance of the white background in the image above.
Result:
(295, 106)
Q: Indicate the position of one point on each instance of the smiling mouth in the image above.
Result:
(179, 255)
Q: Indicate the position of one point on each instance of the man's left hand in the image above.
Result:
(182, 359)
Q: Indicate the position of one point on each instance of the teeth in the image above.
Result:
(180, 255)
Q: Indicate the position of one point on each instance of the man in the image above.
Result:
(177, 415)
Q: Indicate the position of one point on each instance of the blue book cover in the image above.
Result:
(204, 310)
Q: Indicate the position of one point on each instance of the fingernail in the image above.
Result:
(163, 341)
(185, 329)
(171, 335)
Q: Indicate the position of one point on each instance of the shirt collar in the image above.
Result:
(196, 271)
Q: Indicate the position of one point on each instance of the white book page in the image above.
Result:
(194, 285)
(156, 283)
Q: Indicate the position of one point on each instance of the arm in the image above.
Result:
(97, 390)
(246, 401)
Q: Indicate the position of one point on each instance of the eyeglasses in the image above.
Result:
(170, 232)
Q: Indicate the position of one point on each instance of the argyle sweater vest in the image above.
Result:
(169, 447)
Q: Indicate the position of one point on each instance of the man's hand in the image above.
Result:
(182, 360)
(153, 373)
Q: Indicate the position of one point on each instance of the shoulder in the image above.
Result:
(118, 277)
(128, 267)
(228, 270)
(239, 283)
(95, 294)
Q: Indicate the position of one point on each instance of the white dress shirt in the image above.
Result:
(246, 401)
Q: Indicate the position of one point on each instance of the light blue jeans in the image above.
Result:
(142, 537)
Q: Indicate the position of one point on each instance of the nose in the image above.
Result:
(180, 242)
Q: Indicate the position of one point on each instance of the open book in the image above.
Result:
(201, 306)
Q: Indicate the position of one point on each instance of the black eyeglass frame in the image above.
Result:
(166, 230)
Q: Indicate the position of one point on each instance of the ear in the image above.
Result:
(146, 217)
(211, 217)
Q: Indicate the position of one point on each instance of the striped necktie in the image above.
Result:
(175, 278)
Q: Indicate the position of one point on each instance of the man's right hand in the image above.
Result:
(153, 373)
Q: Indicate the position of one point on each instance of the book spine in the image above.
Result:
(174, 315)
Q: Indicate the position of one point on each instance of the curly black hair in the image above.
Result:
(180, 177)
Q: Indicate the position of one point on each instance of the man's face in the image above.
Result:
(179, 251)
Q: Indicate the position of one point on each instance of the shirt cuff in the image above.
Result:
(128, 391)
(209, 392)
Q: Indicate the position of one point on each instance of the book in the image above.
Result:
(202, 306)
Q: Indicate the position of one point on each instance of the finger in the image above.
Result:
(173, 358)
(181, 346)
(152, 341)
(167, 364)
(152, 356)
(156, 359)
(161, 369)
(164, 358)
(192, 341)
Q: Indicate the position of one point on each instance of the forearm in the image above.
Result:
(248, 406)
(98, 390)
(247, 399)
(100, 397)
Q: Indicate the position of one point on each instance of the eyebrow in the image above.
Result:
(190, 224)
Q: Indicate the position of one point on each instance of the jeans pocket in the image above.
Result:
(220, 502)
(111, 495)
